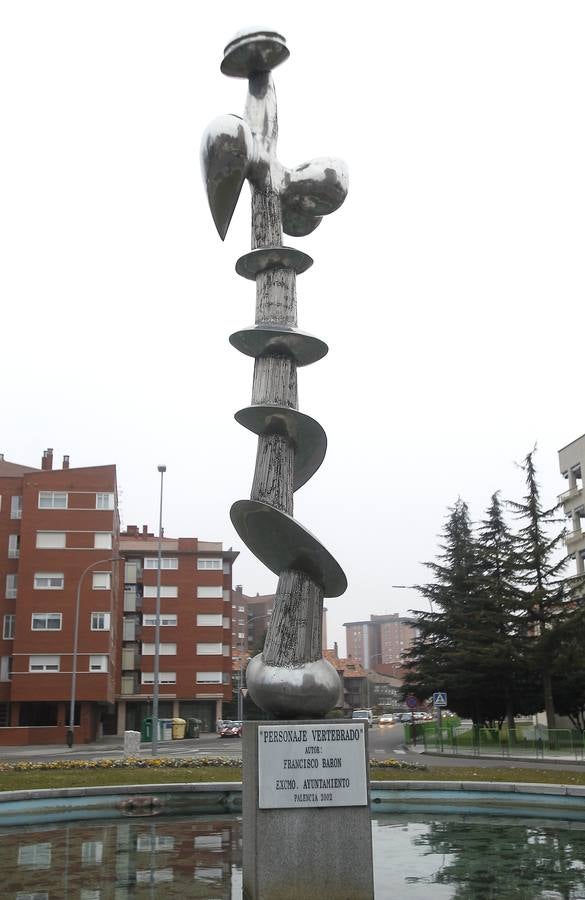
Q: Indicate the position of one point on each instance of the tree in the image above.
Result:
(500, 654)
(542, 591)
(454, 642)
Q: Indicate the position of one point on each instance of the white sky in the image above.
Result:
(449, 286)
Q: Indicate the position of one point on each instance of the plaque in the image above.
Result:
(312, 765)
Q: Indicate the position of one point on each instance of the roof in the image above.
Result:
(14, 470)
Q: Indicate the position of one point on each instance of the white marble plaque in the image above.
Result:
(301, 766)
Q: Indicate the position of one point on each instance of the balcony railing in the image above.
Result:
(570, 494)
(129, 684)
(574, 537)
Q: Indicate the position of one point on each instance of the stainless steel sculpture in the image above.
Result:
(290, 678)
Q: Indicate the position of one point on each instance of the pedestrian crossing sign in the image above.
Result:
(439, 698)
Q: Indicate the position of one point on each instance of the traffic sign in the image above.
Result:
(411, 701)
(439, 698)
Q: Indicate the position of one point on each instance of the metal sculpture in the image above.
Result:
(290, 678)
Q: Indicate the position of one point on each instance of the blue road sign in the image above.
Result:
(439, 698)
(411, 701)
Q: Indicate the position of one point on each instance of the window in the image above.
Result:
(100, 621)
(208, 619)
(241, 635)
(226, 622)
(11, 586)
(208, 649)
(13, 546)
(167, 562)
(34, 895)
(52, 499)
(104, 501)
(49, 581)
(37, 856)
(209, 678)
(102, 540)
(204, 564)
(148, 842)
(163, 677)
(241, 609)
(46, 621)
(166, 590)
(165, 649)
(5, 668)
(50, 540)
(92, 852)
(39, 663)
(166, 620)
(8, 632)
(205, 592)
(98, 663)
(16, 507)
(101, 581)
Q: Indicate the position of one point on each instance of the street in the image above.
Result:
(384, 741)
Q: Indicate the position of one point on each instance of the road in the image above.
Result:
(384, 741)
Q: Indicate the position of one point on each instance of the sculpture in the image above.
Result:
(290, 678)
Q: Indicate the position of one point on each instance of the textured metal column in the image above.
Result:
(290, 678)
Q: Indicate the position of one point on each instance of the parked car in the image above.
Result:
(387, 719)
(231, 729)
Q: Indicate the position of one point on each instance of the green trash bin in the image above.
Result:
(193, 728)
(146, 729)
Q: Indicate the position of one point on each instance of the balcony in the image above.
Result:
(129, 684)
(131, 630)
(132, 600)
(574, 537)
(570, 494)
(130, 658)
(132, 572)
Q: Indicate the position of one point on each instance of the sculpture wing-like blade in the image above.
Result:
(311, 191)
(226, 152)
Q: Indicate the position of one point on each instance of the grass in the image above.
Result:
(53, 778)
(555, 775)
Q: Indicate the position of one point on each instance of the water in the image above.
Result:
(417, 857)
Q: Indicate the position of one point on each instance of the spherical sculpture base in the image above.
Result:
(311, 689)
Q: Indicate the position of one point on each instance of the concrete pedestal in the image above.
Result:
(131, 743)
(315, 851)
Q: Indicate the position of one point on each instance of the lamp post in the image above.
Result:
(240, 695)
(162, 470)
(99, 562)
(411, 587)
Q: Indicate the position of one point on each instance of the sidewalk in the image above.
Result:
(113, 747)
(531, 758)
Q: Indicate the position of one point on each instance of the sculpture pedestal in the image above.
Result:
(307, 831)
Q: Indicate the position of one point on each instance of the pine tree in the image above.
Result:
(541, 588)
(453, 637)
(499, 653)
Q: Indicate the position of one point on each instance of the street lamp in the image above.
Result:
(240, 695)
(162, 470)
(411, 587)
(99, 562)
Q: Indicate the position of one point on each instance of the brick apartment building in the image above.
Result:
(195, 628)
(60, 536)
(380, 641)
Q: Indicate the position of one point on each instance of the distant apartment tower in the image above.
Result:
(55, 525)
(195, 628)
(60, 538)
(572, 466)
(381, 640)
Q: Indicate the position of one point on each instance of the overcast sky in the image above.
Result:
(449, 286)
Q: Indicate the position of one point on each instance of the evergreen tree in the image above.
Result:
(541, 589)
(454, 639)
(499, 650)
